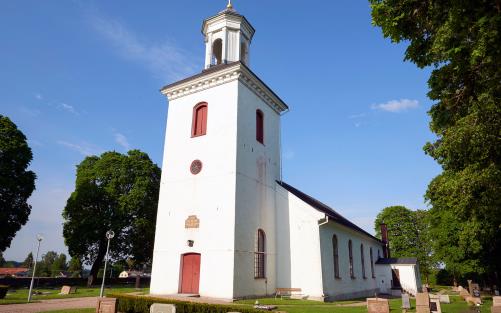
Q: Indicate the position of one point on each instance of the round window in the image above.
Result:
(196, 167)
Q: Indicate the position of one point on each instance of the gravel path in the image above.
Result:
(49, 305)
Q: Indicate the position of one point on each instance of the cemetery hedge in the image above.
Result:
(141, 304)
(3, 291)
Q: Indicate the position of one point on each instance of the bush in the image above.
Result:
(3, 291)
(141, 304)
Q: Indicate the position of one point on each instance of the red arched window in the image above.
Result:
(199, 124)
(260, 126)
(260, 255)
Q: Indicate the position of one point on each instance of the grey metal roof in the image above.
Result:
(397, 261)
(333, 215)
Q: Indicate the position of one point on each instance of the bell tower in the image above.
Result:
(228, 36)
(215, 232)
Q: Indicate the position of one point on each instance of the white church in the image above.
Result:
(228, 226)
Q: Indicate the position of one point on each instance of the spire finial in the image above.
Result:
(229, 5)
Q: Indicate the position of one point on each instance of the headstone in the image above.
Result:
(106, 305)
(435, 305)
(460, 288)
(406, 301)
(475, 290)
(424, 288)
(378, 305)
(470, 289)
(434, 296)
(162, 308)
(473, 300)
(464, 294)
(445, 299)
(422, 302)
(496, 304)
(65, 290)
(496, 292)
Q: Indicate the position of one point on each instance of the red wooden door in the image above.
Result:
(190, 277)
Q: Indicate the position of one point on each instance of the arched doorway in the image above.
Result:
(190, 273)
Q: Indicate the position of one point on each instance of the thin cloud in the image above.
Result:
(38, 96)
(68, 108)
(396, 106)
(122, 141)
(84, 149)
(164, 60)
(355, 116)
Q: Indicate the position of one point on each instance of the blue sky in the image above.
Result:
(83, 77)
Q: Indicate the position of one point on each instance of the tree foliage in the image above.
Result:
(28, 262)
(75, 267)
(113, 192)
(461, 40)
(16, 183)
(408, 235)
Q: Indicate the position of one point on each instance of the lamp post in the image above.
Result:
(39, 238)
(109, 235)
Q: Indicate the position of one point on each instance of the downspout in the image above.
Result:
(326, 218)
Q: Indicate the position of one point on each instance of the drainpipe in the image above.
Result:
(326, 218)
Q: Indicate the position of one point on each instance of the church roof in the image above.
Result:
(333, 215)
(397, 261)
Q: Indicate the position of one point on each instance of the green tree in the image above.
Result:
(461, 40)
(28, 262)
(2, 260)
(75, 267)
(44, 266)
(113, 192)
(16, 183)
(408, 235)
(59, 265)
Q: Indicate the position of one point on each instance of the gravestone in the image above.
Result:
(445, 299)
(470, 289)
(459, 288)
(464, 294)
(106, 305)
(496, 301)
(162, 308)
(496, 292)
(378, 305)
(422, 302)
(475, 290)
(65, 290)
(473, 300)
(406, 301)
(435, 305)
(496, 304)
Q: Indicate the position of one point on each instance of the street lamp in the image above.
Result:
(39, 238)
(109, 235)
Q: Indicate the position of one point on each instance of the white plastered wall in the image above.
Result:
(299, 263)
(210, 195)
(346, 287)
(257, 170)
(409, 277)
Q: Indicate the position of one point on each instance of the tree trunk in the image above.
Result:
(138, 281)
(101, 252)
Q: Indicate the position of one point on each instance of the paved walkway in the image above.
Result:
(49, 305)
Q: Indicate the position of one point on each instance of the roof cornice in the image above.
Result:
(223, 74)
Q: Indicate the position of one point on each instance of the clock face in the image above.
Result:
(196, 167)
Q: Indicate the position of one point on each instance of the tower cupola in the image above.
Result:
(228, 36)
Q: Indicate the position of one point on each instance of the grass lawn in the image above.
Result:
(457, 305)
(92, 310)
(21, 295)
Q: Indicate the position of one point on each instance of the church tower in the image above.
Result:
(215, 232)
